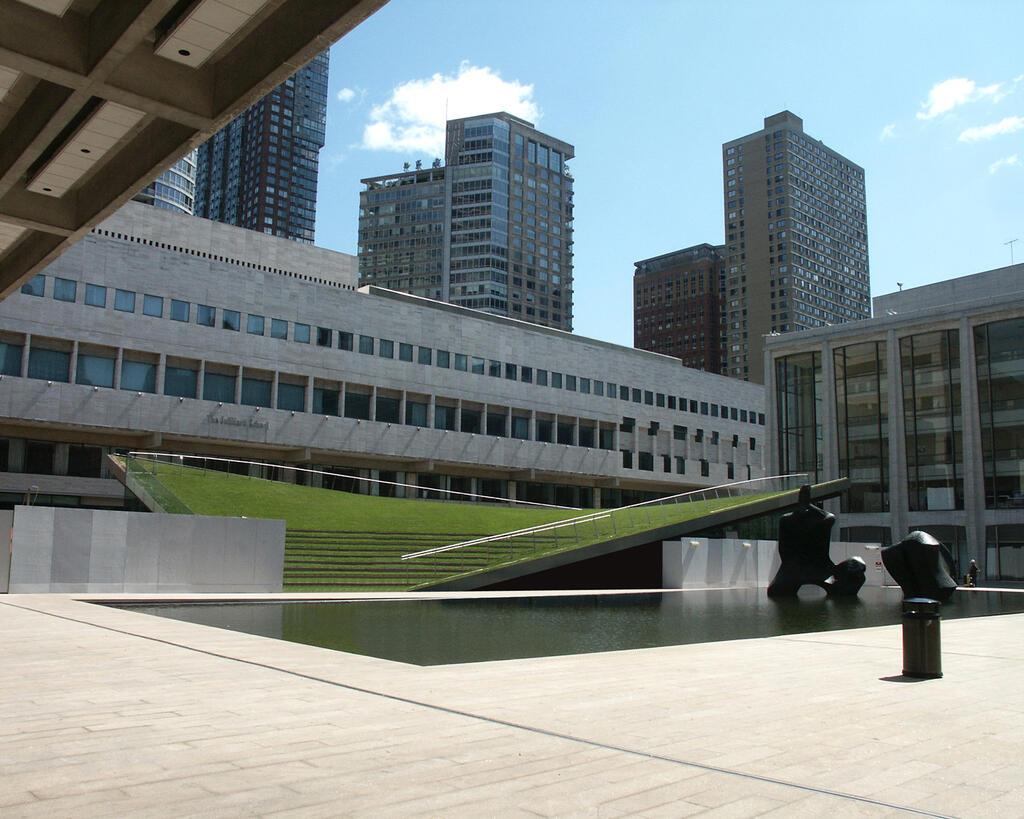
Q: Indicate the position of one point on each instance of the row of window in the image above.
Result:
(139, 373)
(206, 315)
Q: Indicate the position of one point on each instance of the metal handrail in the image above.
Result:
(602, 515)
(142, 455)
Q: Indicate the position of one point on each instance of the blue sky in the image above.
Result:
(928, 97)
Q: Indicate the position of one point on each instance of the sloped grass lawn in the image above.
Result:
(343, 541)
(303, 507)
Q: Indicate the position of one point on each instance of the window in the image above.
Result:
(124, 300)
(256, 391)
(345, 340)
(520, 427)
(48, 365)
(566, 432)
(255, 325)
(404, 351)
(153, 306)
(325, 401)
(678, 432)
(556, 380)
(636, 395)
(545, 430)
(324, 337)
(443, 359)
(96, 295)
(386, 348)
(278, 328)
(714, 436)
(698, 436)
(703, 407)
(628, 424)
(95, 370)
(627, 459)
(542, 378)
(180, 310)
(425, 355)
(206, 315)
(388, 410)
(218, 387)
(705, 468)
(10, 358)
(645, 461)
(139, 376)
(291, 396)
(526, 374)
(301, 333)
(680, 465)
(607, 438)
(180, 381)
(444, 417)
(461, 362)
(477, 366)
(470, 420)
(586, 435)
(64, 289)
(357, 405)
(496, 424)
(585, 386)
(34, 286)
(570, 382)
(494, 368)
(366, 345)
(623, 393)
(231, 320)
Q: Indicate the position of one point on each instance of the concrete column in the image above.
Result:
(24, 355)
(373, 405)
(431, 405)
(308, 402)
(512, 490)
(829, 416)
(117, 367)
(161, 371)
(73, 366)
(458, 415)
(974, 454)
(532, 433)
(597, 497)
(273, 390)
(238, 385)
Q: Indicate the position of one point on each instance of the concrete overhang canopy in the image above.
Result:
(99, 97)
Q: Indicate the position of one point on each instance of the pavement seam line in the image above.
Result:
(494, 720)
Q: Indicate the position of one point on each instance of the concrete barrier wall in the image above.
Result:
(89, 550)
(6, 522)
(704, 562)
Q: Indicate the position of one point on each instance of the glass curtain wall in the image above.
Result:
(930, 363)
(1000, 358)
(862, 425)
(798, 391)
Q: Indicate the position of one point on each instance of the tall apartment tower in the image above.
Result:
(491, 229)
(260, 171)
(677, 306)
(796, 239)
(175, 188)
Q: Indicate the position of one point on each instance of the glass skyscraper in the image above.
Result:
(260, 171)
(492, 229)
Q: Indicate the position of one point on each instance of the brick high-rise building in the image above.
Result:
(260, 170)
(491, 229)
(796, 239)
(676, 305)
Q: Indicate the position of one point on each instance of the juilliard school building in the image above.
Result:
(159, 331)
(923, 408)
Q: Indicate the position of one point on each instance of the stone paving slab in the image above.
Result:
(108, 712)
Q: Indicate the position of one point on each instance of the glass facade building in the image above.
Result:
(492, 229)
(260, 171)
(175, 188)
(922, 410)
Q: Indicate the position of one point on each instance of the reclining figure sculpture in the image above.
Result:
(804, 537)
(922, 566)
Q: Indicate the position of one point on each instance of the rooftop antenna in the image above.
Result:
(899, 285)
(1011, 244)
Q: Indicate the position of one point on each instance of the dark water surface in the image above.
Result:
(464, 630)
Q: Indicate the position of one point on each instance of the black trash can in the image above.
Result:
(922, 643)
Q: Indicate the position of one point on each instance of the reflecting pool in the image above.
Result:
(467, 630)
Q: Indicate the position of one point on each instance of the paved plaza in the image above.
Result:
(105, 712)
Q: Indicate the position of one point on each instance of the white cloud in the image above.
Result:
(1012, 161)
(346, 95)
(980, 132)
(413, 119)
(945, 96)
(888, 132)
